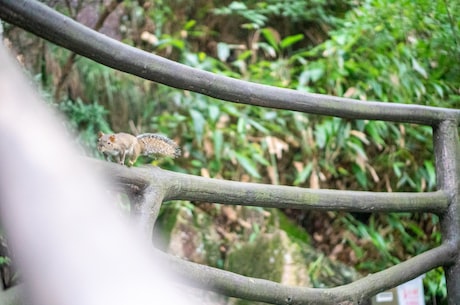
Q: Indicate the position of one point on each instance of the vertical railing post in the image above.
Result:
(447, 158)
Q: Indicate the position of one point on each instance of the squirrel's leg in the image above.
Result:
(132, 160)
(123, 156)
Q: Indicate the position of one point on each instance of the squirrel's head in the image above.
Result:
(105, 142)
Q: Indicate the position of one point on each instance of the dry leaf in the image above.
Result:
(299, 166)
(205, 172)
(314, 181)
(350, 92)
(272, 175)
(360, 135)
(276, 146)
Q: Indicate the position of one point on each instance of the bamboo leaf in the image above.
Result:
(269, 35)
(248, 165)
(290, 40)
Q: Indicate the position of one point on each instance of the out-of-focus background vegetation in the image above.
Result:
(388, 50)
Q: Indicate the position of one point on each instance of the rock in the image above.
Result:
(271, 256)
(187, 232)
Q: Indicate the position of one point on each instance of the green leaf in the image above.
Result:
(340, 38)
(290, 40)
(320, 136)
(247, 164)
(260, 159)
(255, 232)
(379, 242)
(223, 51)
(416, 229)
(358, 148)
(218, 144)
(5, 260)
(214, 112)
(241, 125)
(360, 175)
(268, 49)
(417, 67)
(198, 124)
(374, 131)
(396, 168)
(169, 41)
(431, 172)
(270, 37)
(258, 126)
(304, 174)
(245, 55)
(190, 24)
(237, 6)
(232, 110)
(310, 75)
(439, 90)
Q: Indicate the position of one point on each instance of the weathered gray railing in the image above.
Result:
(149, 187)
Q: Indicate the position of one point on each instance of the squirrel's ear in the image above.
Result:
(100, 134)
(112, 138)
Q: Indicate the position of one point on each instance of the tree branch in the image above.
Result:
(57, 28)
(177, 186)
(147, 209)
(447, 158)
(260, 290)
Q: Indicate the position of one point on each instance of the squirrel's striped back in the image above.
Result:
(157, 144)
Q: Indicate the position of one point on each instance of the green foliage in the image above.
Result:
(435, 287)
(293, 230)
(389, 239)
(396, 51)
(5, 260)
(391, 236)
(256, 18)
(86, 120)
(259, 14)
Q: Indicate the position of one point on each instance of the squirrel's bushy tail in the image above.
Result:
(156, 144)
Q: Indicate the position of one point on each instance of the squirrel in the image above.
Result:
(122, 145)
